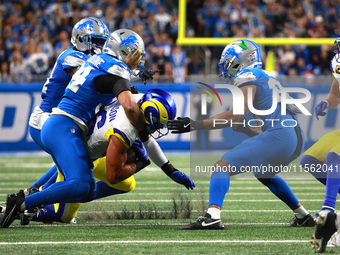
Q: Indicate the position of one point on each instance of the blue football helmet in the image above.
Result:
(121, 43)
(89, 34)
(239, 55)
(158, 107)
(337, 51)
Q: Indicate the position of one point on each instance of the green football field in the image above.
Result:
(147, 220)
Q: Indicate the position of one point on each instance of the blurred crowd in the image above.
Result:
(35, 32)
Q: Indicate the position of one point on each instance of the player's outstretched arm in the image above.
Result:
(222, 120)
(157, 156)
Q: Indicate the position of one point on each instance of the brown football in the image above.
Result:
(131, 156)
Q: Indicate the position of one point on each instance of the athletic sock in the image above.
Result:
(280, 188)
(214, 213)
(43, 179)
(219, 186)
(333, 180)
(300, 212)
(309, 162)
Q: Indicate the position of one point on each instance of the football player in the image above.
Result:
(324, 155)
(102, 78)
(88, 37)
(241, 64)
(111, 134)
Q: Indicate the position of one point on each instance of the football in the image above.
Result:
(131, 156)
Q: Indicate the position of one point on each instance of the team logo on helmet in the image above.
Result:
(252, 57)
(131, 39)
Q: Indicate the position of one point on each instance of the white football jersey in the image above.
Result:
(335, 68)
(111, 120)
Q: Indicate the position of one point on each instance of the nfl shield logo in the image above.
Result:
(251, 57)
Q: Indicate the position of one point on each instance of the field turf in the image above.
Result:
(147, 220)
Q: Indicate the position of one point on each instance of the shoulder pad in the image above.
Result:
(335, 65)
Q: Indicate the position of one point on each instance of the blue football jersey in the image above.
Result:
(81, 98)
(55, 85)
(263, 100)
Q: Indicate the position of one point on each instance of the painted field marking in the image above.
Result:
(158, 241)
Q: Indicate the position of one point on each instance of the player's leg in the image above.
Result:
(66, 212)
(285, 146)
(316, 155)
(333, 178)
(69, 153)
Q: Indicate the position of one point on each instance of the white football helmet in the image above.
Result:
(239, 55)
(89, 34)
(121, 43)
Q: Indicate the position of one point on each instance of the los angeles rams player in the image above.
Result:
(88, 37)
(112, 134)
(327, 151)
(241, 64)
(101, 79)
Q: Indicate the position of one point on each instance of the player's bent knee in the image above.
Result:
(81, 188)
(308, 160)
(126, 185)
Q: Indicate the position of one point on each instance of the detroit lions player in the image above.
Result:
(102, 78)
(111, 134)
(240, 64)
(88, 37)
(327, 151)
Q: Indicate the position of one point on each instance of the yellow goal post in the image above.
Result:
(211, 41)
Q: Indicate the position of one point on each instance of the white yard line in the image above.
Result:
(157, 242)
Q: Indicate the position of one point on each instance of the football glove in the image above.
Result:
(320, 109)
(142, 155)
(184, 125)
(183, 179)
(147, 75)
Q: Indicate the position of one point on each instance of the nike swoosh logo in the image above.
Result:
(208, 224)
(187, 125)
(8, 217)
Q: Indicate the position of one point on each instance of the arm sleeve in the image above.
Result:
(155, 152)
(111, 84)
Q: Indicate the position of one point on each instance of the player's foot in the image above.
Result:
(2, 212)
(27, 216)
(335, 240)
(307, 221)
(30, 191)
(204, 222)
(325, 228)
(12, 209)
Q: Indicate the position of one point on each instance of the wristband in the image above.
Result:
(168, 168)
(326, 103)
(141, 163)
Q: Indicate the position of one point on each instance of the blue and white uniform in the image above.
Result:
(53, 90)
(63, 132)
(277, 145)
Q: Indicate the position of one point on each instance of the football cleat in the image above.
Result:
(335, 240)
(325, 228)
(30, 191)
(27, 216)
(307, 221)
(204, 222)
(2, 212)
(13, 208)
